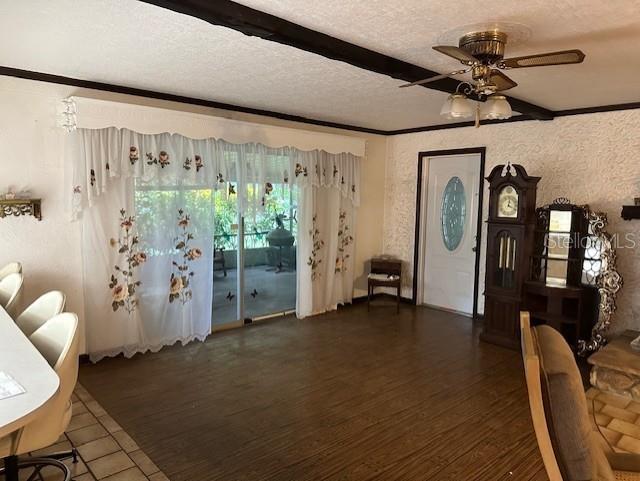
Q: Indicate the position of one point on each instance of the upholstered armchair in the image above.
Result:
(572, 448)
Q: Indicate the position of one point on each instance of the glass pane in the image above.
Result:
(508, 202)
(590, 270)
(558, 246)
(225, 272)
(505, 246)
(592, 262)
(557, 272)
(270, 252)
(540, 270)
(453, 213)
(560, 221)
(175, 229)
(593, 248)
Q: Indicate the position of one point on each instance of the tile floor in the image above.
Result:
(618, 419)
(106, 451)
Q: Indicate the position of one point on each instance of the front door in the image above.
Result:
(449, 231)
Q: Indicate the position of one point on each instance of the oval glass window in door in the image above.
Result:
(453, 213)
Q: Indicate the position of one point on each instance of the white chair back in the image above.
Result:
(10, 268)
(40, 311)
(10, 291)
(58, 342)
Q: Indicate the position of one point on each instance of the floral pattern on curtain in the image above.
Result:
(148, 259)
(180, 280)
(165, 158)
(123, 283)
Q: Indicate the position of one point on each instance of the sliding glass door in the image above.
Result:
(255, 254)
(270, 236)
(225, 259)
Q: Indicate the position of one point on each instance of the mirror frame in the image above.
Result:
(608, 282)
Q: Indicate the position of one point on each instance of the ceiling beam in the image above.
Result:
(269, 27)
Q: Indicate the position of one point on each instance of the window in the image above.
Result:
(453, 213)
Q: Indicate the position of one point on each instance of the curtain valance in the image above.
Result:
(102, 155)
(88, 113)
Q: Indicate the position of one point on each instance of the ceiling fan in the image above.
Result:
(483, 55)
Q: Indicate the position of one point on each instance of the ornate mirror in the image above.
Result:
(599, 270)
(574, 280)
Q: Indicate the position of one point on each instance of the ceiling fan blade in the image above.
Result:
(500, 80)
(435, 77)
(457, 53)
(552, 58)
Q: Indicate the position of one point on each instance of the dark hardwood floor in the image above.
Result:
(348, 395)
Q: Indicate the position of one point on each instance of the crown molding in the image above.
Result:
(105, 87)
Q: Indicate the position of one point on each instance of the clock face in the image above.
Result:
(508, 202)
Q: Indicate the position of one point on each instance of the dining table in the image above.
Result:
(30, 376)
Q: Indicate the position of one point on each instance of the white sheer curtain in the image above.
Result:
(146, 206)
(326, 250)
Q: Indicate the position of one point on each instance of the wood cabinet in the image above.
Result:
(572, 310)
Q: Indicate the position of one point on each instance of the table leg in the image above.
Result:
(11, 468)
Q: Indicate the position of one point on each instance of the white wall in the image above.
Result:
(31, 154)
(591, 159)
(32, 157)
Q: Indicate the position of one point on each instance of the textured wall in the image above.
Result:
(31, 157)
(593, 159)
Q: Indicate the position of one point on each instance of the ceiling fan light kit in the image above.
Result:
(457, 106)
(496, 108)
(482, 53)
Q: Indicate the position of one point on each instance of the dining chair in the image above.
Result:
(571, 446)
(40, 311)
(10, 268)
(58, 342)
(10, 292)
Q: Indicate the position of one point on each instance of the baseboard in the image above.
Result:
(379, 295)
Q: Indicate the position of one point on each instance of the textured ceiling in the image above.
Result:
(608, 31)
(126, 42)
(131, 43)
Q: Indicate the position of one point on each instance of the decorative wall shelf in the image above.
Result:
(18, 207)
(630, 212)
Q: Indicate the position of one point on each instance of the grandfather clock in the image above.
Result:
(510, 240)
